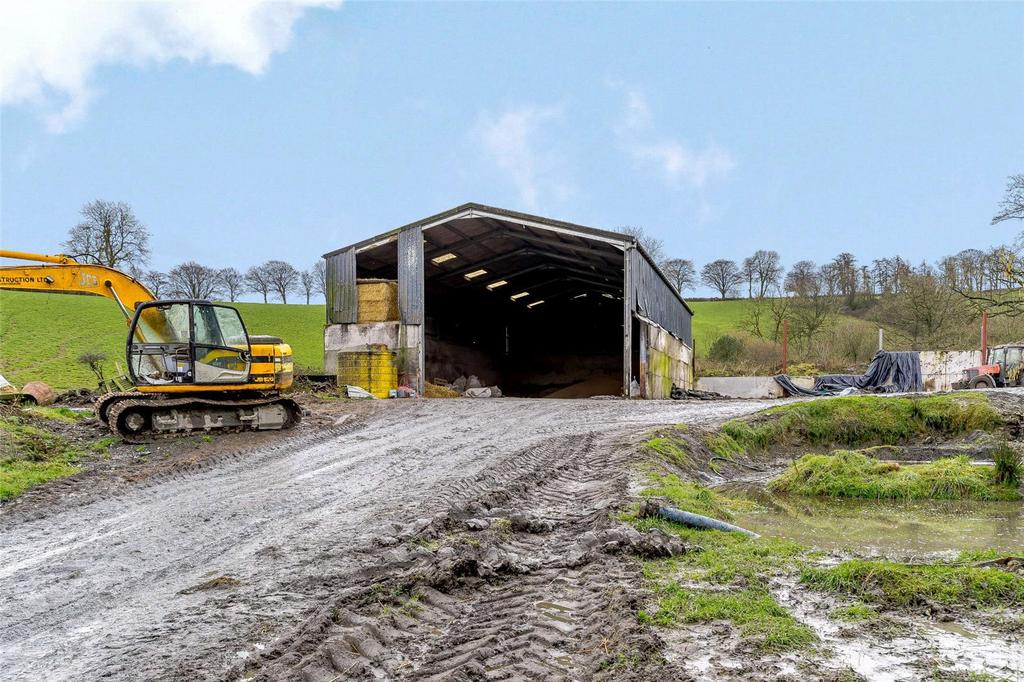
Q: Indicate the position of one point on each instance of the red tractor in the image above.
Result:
(1004, 367)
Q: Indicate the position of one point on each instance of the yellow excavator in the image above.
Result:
(193, 364)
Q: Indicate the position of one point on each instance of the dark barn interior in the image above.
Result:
(536, 311)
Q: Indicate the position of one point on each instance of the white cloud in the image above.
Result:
(516, 142)
(638, 113)
(679, 163)
(52, 47)
(682, 165)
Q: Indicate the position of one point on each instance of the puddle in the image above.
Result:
(889, 527)
(559, 612)
(907, 656)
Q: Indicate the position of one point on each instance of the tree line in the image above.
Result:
(970, 272)
(924, 303)
(110, 234)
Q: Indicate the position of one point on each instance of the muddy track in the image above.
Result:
(264, 561)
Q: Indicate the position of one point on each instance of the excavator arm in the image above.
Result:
(65, 275)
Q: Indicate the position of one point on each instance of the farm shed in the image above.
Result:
(539, 307)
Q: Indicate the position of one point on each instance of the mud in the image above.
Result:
(891, 646)
(420, 538)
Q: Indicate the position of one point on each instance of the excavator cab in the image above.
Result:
(188, 342)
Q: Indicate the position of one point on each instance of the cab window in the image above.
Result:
(219, 326)
(163, 324)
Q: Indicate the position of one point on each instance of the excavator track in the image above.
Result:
(140, 419)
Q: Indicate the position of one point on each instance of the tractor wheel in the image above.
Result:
(983, 381)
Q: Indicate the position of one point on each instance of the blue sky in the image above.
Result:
(721, 128)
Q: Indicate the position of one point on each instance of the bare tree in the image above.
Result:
(109, 234)
(1012, 205)
(721, 275)
(320, 277)
(829, 275)
(802, 278)
(654, 247)
(307, 280)
(1004, 265)
(258, 280)
(192, 280)
(763, 271)
(812, 308)
(282, 277)
(155, 281)
(1003, 290)
(680, 273)
(748, 274)
(232, 283)
(845, 268)
(765, 315)
(926, 313)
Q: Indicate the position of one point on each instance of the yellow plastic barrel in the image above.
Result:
(373, 369)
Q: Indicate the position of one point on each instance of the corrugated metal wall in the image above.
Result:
(410, 275)
(653, 298)
(342, 295)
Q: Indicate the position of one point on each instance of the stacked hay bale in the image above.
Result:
(374, 368)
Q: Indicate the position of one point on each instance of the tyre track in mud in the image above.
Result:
(559, 612)
(108, 588)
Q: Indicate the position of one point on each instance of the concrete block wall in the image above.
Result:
(941, 368)
(405, 340)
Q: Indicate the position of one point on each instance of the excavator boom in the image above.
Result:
(67, 276)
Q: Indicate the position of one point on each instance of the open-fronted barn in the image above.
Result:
(537, 306)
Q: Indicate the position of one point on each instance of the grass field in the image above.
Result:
(712, 319)
(42, 335)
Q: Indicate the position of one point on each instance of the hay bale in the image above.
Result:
(378, 300)
(435, 391)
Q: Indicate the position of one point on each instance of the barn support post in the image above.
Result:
(411, 305)
(628, 303)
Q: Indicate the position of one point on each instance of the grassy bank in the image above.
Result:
(857, 421)
(856, 475)
(893, 584)
(33, 452)
(736, 569)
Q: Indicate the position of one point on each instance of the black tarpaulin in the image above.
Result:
(889, 372)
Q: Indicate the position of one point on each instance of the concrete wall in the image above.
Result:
(741, 387)
(941, 368)
(750, 387)
(667, 361)
(406, 340)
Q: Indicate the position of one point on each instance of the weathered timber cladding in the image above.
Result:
(342, 295)
(410, 275)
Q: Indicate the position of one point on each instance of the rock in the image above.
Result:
(654, 543)
(477, 524)
(658, 543)
(521, 523)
